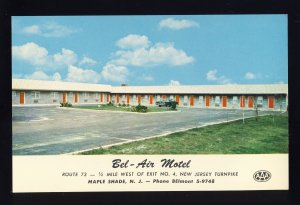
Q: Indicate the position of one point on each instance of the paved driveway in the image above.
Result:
(52, 130)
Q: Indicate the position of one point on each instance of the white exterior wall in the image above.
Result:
(46, 89)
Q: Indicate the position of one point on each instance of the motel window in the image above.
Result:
(123, 97)
(157, 97)
(259, 100)
(185, 98)
(35, 95)
(97, 95)
(172, 97)
(134, 97)
(13, 93)
(146, 96)
(55, 95)
(234, 100)
(86, 95)
(217, 100)
(200, 99)
(71, 94)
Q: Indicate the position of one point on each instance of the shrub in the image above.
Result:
(173, 105)
(110, 104)
(133, 109)
(123, 105)
(65, 104)
(141, 108)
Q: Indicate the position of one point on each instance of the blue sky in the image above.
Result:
(152, 50)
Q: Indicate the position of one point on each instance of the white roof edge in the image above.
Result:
(206, 89)
(25, 84)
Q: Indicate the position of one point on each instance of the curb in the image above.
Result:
(117, 111)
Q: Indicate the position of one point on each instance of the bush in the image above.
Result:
(141, 108)
(110, 104)
(133, 109)
(173, 105)
(123, 105)
(65, 104)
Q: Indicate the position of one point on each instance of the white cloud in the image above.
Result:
(159, 54)
(76, 74)
(133, 41)
(56, 77)
(147, 77)
(50, 29)
(87, 61)
(38, 56)
(34, 29)
(177, 24)
(212, 76)
(115, 73)
(250, 76)
(174, 83)
(40, 75)
(224, 80)
(67, 57)
(32, 53)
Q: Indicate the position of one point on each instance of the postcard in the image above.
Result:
(149, 103)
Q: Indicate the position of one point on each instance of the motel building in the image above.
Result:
(265, 97)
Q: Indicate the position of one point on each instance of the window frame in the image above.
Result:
(55, 95)
(36, 95)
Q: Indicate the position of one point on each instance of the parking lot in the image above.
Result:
(53, 130)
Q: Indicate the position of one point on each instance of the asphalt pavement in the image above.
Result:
(53, 130)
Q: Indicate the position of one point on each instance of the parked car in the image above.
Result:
(160, 103)
(165, 103)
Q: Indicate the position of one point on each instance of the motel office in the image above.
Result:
(265, 97)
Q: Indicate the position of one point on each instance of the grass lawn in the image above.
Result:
(254, 137)
(120, 108)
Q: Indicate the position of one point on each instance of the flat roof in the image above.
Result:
(42, 85)
(24, 84)
(205, 89)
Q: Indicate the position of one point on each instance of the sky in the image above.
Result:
(152, 50)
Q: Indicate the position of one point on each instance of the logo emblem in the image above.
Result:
(262, 176)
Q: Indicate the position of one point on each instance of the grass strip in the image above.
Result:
(266, 135)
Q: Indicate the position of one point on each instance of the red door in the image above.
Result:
(191, 100)
(271, 101)
(242, 101)
(64, 97)
(207, 101)
(177, 99)
(224, 101)
(107, 97)
(22, 98)
(150, 99)
(139, 99)
(117, 96)
(250, 102)
(128, 99)
(76, 97)
(101, 98)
